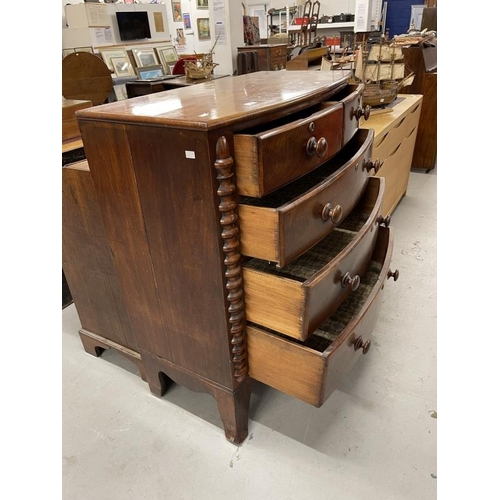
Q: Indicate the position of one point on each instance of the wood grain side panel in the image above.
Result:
(177, 187)
(111, 166)
(248, 173)
(277, 303)
(426, 146)
(87, 260)
(286, 367)
(259, 232)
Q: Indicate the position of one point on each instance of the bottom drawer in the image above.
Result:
(313, 369)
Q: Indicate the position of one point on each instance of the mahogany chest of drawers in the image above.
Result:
(246, 234)
(271, 57)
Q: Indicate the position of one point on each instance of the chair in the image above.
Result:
(178, 68)
(86, 77)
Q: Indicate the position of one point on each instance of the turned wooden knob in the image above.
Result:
(384, 220)
(394, 274)
(369, 165)
(359, 344)
(352, 282)
(333, 213)
(362, 112)
(317, 147)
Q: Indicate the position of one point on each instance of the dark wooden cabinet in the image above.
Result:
(422, 59)
(221, 287)
(270, 57)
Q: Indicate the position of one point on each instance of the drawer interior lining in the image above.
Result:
(285, 120)
(297, 188)
(333, 327)
(312, 261)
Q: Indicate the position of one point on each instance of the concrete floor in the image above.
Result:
(375, 437)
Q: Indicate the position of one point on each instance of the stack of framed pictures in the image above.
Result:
(123, 63)
(167, 55)
(145, 56)
(118, 62)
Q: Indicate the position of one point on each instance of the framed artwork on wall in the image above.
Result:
(203, 28)
(176, 12)
(202, 4)
(187, 20)
(121, 54)
(145, 56)
(167, 55)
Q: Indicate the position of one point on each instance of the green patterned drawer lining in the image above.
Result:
(335, 324)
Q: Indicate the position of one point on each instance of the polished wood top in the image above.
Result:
(221, 102)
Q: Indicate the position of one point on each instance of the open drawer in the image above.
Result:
(351, 98)
(313, 369)
(296, 299)
(283, 225)
(267, 158)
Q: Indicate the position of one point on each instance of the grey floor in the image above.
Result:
(375, 437)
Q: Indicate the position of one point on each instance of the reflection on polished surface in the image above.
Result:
(207, 105)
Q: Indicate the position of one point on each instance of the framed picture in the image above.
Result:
(176, 12)
(145, 57)
(203, 28)
(202, 4)
(84, 49)
(108, 54)
(148, 72)
(181, 38)
(167, 55)
(187, 21)
(122, 67)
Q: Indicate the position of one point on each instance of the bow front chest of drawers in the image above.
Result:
(246, 234)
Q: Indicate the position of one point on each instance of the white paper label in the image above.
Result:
(190, 155)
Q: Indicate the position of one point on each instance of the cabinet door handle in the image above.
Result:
(352, 282)
(333, 213)
(361, 112)
(393, 274)
(384, 220)
(318, 147)
(369, 165)
(359, 344)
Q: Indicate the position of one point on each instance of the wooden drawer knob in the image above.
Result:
(393, 274)
(369, 165)
(361, 112)
(333, 213)
(317, 147)
(352, 282)
(384, 220)
(359, 344)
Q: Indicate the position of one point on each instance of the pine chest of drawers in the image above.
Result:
(246, 233)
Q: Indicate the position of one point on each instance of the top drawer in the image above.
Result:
(266, 159)
(351, 98)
